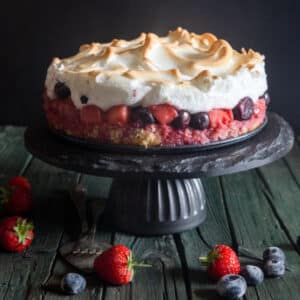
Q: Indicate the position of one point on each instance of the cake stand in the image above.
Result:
(161, 193)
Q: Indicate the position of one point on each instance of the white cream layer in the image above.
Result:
(198, 77)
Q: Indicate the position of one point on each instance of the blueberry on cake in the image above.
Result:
(180, 89)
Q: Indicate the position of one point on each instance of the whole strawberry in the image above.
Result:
(16, 234)
(17, 197)
(116, 265)
(19, 181)
(222, 260)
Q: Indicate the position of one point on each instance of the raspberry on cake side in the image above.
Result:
(180, 89)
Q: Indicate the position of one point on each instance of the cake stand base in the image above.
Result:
(161, 193)
(155, 206)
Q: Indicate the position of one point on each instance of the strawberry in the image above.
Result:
(164, 113)
(118, 115)
(220, 117)
(16, 197)
(69, 110)
(222, 260)
(16, 234)
(19, 181)
(90, 114)
(116, 265)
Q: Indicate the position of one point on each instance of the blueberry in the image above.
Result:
(73, 283)
(200, 120)
(252, 274)
(274, 267)
(244, 109)
(182, 120)
(232, 286)
(61, 90)
(273, 253)
(142, 115)
(84, 99)
(267, 98)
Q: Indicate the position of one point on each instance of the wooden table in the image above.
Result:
(254, 209)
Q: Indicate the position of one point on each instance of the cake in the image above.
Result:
(180, 89)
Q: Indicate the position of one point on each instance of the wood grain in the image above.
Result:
(256, 226)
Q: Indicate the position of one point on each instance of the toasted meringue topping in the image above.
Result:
(195, 66)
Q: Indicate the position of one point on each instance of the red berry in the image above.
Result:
(17, 197)
(118, 115)
(90, 114)
(19, 181)
(16, 234)
(19, 202)
(220, 117)
(116, 265)
(68, 110)
(164, 113)
(222, 260)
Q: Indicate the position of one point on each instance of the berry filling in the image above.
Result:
(156, 125)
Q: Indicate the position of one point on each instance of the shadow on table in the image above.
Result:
(286, 247)
(198, 284)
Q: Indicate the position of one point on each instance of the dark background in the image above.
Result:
(35, 31)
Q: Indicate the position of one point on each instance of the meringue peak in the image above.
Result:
(149, 57)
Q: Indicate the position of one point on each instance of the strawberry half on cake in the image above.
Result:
(180, 89)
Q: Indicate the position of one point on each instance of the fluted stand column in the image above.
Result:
(156, 206)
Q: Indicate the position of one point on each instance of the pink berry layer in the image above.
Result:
(62, 115)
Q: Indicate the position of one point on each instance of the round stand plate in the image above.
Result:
(152, 194)
(273, 142)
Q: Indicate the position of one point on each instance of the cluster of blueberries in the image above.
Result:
(234, 286)
(143, 116)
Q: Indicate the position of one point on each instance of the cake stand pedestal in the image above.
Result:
(161, 193)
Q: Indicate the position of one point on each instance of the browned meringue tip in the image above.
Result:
(187, 53)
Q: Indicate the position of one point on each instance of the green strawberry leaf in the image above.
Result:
(22, 229)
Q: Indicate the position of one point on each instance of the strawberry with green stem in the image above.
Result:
(16, 234)
(116, 265)
(222, 260)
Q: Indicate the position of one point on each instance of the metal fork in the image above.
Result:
(82, 252)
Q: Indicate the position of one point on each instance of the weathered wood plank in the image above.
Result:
(283, 193)
(293, 161)
(195, 243)
(256, 227)
(164, 280)
(21, 274)
(13, 160)
(49, 190)
(94, 288)
(13, 156)
(98, 188)
(216, 217)
(256, 203)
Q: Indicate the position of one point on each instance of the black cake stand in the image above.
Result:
(161, 192)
